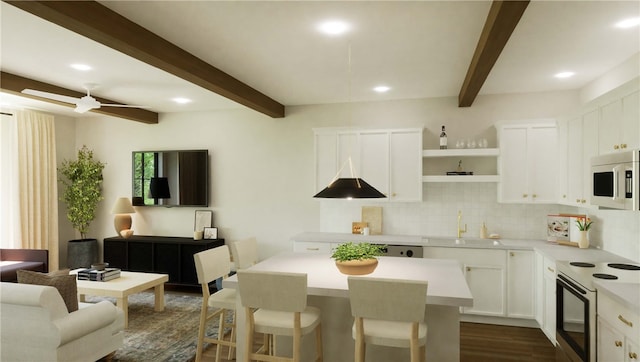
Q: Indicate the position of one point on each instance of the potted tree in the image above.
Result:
(357, 258)
(82, 180)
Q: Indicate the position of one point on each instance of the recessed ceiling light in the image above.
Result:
(181, 100)
(381, 88)
(628, 23)
(564, 74)
(334, 27)
(82, 67)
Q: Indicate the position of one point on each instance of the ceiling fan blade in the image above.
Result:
(54, 96)
(122, 106)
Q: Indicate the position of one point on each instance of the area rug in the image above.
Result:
(170, 335)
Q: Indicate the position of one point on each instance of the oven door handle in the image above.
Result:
(570, 285)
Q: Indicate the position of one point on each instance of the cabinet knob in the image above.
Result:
(512, 254)
(525, 195)
(633, 355)
(468, 269)
(564, 196)
(551, 270)
(583, 201)
(618, 343)
(616, 147)
(534, 196)
(623, 145)
(393, 194)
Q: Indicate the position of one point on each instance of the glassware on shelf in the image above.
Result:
(460, 144)
(483, 143)
(471, 143)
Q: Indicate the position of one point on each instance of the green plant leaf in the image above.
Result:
(357, 251)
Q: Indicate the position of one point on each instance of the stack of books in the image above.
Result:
(99, 275)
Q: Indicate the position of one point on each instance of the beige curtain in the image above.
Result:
(38, 183)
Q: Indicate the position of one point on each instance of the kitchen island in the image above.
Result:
(328, 290)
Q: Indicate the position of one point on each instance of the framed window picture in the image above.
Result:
(210, 233)
(203, 219)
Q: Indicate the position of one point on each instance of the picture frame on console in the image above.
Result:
(210, 233)
(203, 219)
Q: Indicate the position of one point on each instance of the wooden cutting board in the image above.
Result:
(372, 215)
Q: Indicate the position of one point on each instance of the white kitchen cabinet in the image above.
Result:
(485, 272)
(546, 298)
(326, 158)
(618, 331)
(582, 144)
(312, 247)
(520, 284)
(405, 164)
(528, 165)
(619, 128)
(388, 159)
(610, 343)
(563, 166)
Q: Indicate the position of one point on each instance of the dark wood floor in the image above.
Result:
(483, 343)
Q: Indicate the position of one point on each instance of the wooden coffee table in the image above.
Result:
(121, 288)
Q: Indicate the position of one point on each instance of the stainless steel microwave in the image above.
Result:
(616, 180)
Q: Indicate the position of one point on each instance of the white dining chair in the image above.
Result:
(280, 304)
(244, 252)
(388, 312)
(212, 264)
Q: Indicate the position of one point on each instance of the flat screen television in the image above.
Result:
(170, 178)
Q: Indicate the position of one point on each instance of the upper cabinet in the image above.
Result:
(528, 162)
(619, 126)
(388, 159)
(581, 142)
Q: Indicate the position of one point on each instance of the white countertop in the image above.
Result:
(447, 285)
(627, 294)
(548, 249)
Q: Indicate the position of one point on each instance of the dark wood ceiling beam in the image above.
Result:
(501, 21)
(12, 83)
(99, 23)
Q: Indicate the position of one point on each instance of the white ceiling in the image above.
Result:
(418, 48)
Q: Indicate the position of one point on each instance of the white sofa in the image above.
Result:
(36, 326)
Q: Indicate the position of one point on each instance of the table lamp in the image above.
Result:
(122, 221)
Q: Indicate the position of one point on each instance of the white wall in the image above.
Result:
(262, 176)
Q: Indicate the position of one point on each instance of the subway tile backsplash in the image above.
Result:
(614, 231)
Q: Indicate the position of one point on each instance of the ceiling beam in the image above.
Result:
(501, 21)
(12, 83)
(99, 23)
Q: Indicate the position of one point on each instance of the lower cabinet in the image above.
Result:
(501, 281)
(545, 272)
(158, 254)
(485, 272)
(618, 331)
(520, 284)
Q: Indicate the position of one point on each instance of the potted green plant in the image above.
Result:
(357, 258)
(82, 180)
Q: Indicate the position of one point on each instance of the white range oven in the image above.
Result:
(576, 305)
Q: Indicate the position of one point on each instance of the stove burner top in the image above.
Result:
(624, 266)
(582, 265)
(605, 276)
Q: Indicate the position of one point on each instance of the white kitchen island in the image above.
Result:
(328, 290)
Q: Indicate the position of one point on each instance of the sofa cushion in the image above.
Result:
(65, 283)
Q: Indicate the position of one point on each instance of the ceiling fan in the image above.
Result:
(83, 104)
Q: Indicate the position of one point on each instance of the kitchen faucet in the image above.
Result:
(461, 231)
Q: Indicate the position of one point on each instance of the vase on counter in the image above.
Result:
(583, 243)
